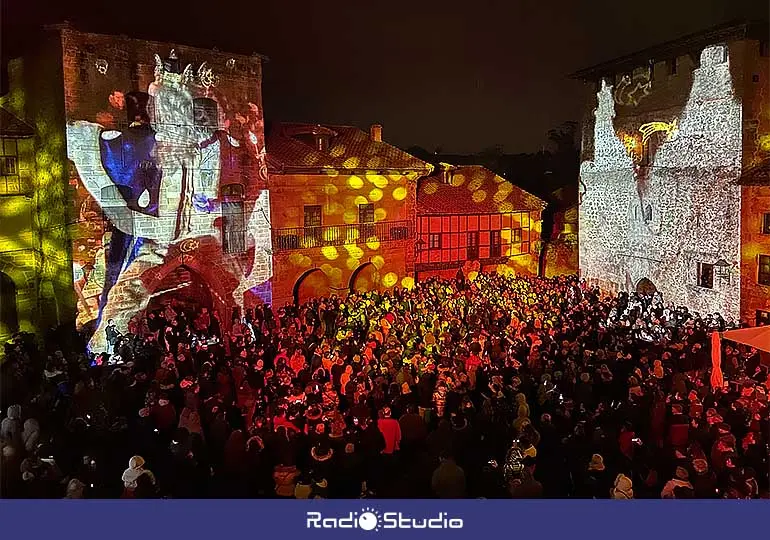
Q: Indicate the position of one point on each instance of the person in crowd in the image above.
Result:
(408, 392)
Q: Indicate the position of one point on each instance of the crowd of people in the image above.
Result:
(494, 387)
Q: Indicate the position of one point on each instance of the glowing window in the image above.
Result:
(763, 317)
(706, 275)
(9, 167)
(434, 241)
(764, 270)
(766, 223)
(516, 235)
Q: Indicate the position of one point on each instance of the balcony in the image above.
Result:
(293, 238)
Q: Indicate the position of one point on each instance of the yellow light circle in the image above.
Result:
(355, 182)
(330, 189)
(360, 200)
(354, 251)
(479, 196)
(373, 244)
(458, 180)
(390, 279)
(378, 261)
(375, 195)
(350, 216)
(352, 263)
(330, 252)
(380, 214)
(407, 283)
(326, 268)
(378, 180)
(399, 193)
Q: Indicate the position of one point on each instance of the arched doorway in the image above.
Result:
(9, 316)
(185, 287)
(311, 284)
(364, 278)
(646, 287)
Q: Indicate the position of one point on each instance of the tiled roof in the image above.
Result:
(473, 190)
(349, 148)
(10, 126)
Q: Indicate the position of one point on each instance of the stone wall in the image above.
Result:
(656, 211)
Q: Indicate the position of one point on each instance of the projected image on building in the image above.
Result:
(171, 184)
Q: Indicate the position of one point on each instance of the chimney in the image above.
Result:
(375, 132)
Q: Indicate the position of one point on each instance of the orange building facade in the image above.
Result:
(342, 211)
(470, 219)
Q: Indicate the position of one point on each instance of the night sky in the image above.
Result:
(460, 75)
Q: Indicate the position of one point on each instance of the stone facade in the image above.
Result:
(661, 170)
(154, 155)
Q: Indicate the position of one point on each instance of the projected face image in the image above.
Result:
(178, 186)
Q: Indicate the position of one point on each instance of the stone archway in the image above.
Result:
(9, 315)
(185, 286)
(646, 287)
(364, 278)
(311, 284)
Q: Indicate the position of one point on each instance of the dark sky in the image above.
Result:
(463, 75)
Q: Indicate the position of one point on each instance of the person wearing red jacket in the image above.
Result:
(391, 431)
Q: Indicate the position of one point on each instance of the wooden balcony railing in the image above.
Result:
(287, 239)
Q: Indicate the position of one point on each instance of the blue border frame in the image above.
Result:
(494, 519)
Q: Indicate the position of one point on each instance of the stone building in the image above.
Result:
(670, 134)
(470, 219)
(23, 297)
(150, 175)
(343, 211)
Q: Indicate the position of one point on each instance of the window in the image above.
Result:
(516, 235)
(233, 227)
(764, 270)
(495, 244)
(313, 216)
(672, 65)
(205, 112)
(766, 223)
(136, 107)
(366, 213)
(9, 167)
(764, 48)
(755, 77)
(648, 213)
(313, 232)
(434, 241)
(473, 245)
(763, 317)
(706, 275)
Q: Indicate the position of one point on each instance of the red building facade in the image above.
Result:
(469, 218)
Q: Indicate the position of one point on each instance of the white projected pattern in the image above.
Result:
(690, 190)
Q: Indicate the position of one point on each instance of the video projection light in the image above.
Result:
(175, 178)
(692, 173)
